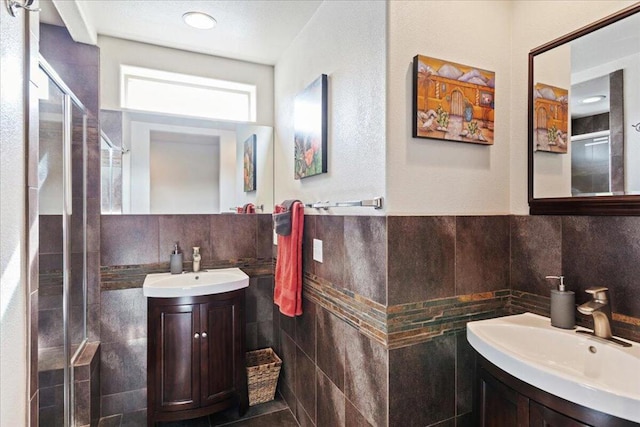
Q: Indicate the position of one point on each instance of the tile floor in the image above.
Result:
(271, 414)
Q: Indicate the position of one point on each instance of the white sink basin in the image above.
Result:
(167, 285)
(575, 367)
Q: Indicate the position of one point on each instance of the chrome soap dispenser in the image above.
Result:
(176, 260)
(563, 305)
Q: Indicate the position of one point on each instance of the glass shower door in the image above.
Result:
(51, 336)
(62, 309)
(77, 219)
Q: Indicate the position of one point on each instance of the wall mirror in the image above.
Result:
(584, 120)
(154, 163)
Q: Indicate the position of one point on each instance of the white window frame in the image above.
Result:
(128, 72)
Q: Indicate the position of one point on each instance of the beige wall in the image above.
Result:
(13, 285)
(347, 41)
(427, 176)
(422, 176)
(115, 52)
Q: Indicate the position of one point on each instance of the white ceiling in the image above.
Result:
(250, 30)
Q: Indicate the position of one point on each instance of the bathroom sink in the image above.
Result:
(579, 368)
(167, 285)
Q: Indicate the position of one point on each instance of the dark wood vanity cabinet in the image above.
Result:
(504, 401)
(195, 356)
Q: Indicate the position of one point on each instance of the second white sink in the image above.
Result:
(167, 285)
(576, 367)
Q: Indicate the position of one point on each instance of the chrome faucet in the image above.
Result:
(196, 259)
(600, 309)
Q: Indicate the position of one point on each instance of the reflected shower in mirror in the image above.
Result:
(585, 97)
(154, 163)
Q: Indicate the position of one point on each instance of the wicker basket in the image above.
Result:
(263, 368)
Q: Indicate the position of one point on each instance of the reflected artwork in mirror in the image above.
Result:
(155, 163)
(584, 97)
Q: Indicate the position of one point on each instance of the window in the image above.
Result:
(165, 92)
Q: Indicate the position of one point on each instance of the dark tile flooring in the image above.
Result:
(271, 414)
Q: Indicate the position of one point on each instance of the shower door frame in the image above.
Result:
(69, 359)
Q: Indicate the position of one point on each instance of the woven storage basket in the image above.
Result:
(263, 368)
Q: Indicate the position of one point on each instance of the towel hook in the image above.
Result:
(636, 127)
(13, 5)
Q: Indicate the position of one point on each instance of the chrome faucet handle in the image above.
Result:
(599, 293)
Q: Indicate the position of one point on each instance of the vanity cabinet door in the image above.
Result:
(541, 416)
(176, 351)
(223, 374)
(196, 356)
(499, 405)
(502, 400)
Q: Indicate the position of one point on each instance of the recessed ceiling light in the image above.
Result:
(199, 20)
(592, 99)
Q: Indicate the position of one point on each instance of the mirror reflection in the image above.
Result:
(586, 99)
(155, 163)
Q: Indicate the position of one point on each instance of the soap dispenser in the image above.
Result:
(563, 305)
(176, 260)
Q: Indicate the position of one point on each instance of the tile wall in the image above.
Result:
(401, 356)
(133, 243)
(390, 349)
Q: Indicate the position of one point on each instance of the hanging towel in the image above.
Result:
(248, 208)
(282, 217)
(288, 282)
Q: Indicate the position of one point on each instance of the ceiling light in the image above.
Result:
(199, 20)
(592, 99)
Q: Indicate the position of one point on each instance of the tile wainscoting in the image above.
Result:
(133, 246)
(382, 339)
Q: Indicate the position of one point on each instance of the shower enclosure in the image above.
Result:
(62, 304)
(111, 175)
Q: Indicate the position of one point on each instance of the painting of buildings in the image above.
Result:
(550, 118)
(452, 101)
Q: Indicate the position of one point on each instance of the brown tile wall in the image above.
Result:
(441, 272)
(133, 243)
(77, 63)
(332, 375)
(588, 251)
(149, 239)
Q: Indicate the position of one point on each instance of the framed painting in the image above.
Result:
(249, 164)
(310, 130)
(452, 101)
(550, 118)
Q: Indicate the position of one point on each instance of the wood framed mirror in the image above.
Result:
(584, 157)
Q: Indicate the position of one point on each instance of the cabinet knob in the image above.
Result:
(197, 335)
(204, 335)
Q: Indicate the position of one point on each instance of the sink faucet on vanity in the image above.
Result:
(600, 309)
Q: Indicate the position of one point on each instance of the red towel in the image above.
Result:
(248, 208)
(288, 283)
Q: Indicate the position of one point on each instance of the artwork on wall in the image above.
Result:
(310, 130)
(452, 101)
(550, 118)
(250, 164)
